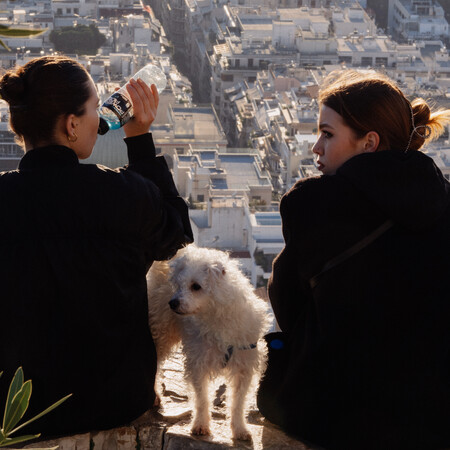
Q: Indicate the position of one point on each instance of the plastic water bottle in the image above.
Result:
(117, 109)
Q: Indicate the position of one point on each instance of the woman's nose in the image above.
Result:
(317, 148)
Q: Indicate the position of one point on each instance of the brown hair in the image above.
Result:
(369, 101)
(40, 92)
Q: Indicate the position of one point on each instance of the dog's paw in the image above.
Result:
(201, 430)
(242, 434)
(157, 401)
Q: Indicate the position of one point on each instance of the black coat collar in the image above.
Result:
(47, 157)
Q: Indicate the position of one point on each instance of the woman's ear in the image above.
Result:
(70, 124)
(64, 132)
(372, 141)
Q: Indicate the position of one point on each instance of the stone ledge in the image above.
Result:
(175, 437)
(169, 427)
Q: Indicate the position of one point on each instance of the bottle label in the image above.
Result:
(121, 106)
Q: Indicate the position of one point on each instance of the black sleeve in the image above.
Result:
(168, 228)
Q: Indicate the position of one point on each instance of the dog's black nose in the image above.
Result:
(174, 303)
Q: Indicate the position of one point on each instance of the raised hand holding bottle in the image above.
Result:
(117, 109)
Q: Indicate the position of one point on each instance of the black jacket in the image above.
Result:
(76, 243)
(370, 356)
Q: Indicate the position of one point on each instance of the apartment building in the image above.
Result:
(251, 40)
(266, 242)
(72, 8)
(185, 127)
(236, 61)
(208, 173)
(10, 151)
(253, 237)
(417, 19)
(230, 196)
(277, 115)
(135, 30)
(347, 20)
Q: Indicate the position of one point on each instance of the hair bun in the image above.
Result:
(428, 124)
(421, 111)
(12, 89)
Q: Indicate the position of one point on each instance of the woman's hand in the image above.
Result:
(145, 103)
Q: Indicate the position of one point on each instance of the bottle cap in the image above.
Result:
(103, 127)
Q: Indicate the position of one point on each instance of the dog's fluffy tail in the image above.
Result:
(162, 320)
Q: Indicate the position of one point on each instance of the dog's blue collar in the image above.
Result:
(230, 350)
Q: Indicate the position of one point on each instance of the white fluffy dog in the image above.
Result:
(202, 299)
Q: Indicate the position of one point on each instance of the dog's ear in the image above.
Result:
(175, 265)
(216, 269)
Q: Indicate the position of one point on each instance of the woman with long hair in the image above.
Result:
(361, 287)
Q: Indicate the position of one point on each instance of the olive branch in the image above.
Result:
(17, 403)
(6, 31)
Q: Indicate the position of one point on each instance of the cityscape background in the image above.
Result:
(238, 117)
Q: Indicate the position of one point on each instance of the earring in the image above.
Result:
(72, 138)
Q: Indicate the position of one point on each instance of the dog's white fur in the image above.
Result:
(213, 308)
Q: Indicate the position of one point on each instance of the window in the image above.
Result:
(366, 61)
(200, 198)
(227, 77)
(158, 150)
(180, 150)
(237, 63)
(250, 62)
(345, 59)
(381, 61)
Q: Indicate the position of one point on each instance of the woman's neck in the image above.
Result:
(44, 143)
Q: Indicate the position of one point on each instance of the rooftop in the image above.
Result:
(256, 24)
(230, 171)
(271, 218)
(301, 13)
(242, 171)
(361, 44)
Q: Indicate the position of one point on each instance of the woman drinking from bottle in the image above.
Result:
(76, 243)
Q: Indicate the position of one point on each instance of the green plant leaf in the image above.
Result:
(14, 387)
(11, 441)
(4, 45)
(18, 407)
(17, 32)
(42, 413)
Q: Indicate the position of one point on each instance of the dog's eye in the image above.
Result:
(195, 287)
